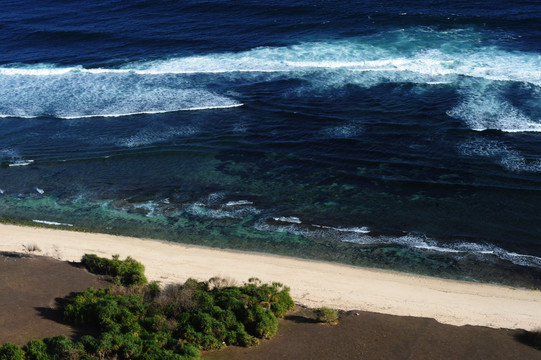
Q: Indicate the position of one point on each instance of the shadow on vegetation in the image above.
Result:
(56, 314)
(11, 254)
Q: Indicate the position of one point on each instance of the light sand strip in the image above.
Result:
(312, 283)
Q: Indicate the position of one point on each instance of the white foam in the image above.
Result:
(81, 94)
(214, 207)
(2, 191)
(14, 158)
(291, 228)
(288, 219)
(141, 112)
(149, 206)
(358, 230)
(359, 235)
(51, 223)
(40, 191)
(222, 212)
(8, 153)
(151, 136)
(484, 109)
(214, 198)
(39, 70)
(501, 153)
(344, 131)
(21, 163)
(239, 203)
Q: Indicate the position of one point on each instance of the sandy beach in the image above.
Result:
(312, 283)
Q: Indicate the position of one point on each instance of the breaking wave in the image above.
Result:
(189, 83)
(484, 107)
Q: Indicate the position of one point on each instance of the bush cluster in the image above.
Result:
(146, 322)
(128, 272)
(326, 315)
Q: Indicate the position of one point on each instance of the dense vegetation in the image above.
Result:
(142, 321)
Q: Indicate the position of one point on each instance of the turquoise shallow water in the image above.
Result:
(398, 136)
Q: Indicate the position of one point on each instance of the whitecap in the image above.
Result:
(359, 230)
(288, 219)
(21, 162)
(239, 203)
(498, 151)
(484, 109)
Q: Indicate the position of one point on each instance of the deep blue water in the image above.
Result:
(398, 134)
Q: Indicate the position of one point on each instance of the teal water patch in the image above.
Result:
(251, 232)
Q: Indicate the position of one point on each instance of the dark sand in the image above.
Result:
(30, 287)
(378, 336)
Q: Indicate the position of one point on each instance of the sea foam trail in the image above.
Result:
(363, 236)
(166, 85)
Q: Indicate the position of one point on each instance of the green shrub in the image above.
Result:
(129, 346)
(60, 347)
(80, 308)
(266, 324)
(36, 350)
(283, 302)
(189, 352)
(10, 351)
(275, 296)
(89, 344)
(326, 315)
(105, 346)
(128, 272)
(152, 291)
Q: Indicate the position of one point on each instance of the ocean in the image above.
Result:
(403, 135)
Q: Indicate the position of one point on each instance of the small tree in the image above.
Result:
(10, 351)
(36, 350)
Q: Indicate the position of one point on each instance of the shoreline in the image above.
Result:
(313, 283)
